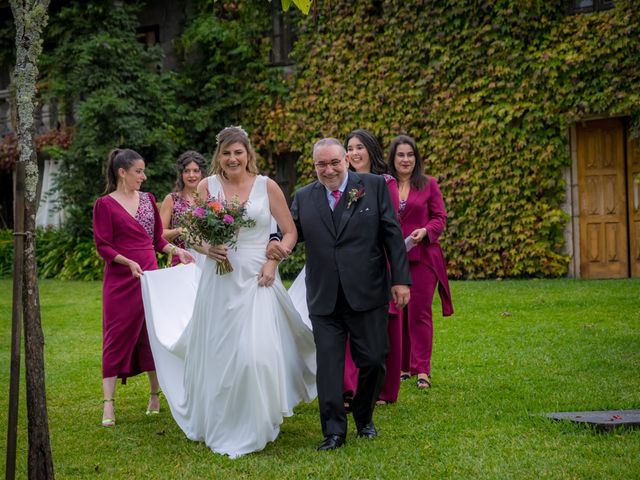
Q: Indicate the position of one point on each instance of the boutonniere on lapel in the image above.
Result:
(354, 196)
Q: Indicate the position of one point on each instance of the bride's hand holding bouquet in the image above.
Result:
(215, 222)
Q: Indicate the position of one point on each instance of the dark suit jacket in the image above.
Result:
(353, 254)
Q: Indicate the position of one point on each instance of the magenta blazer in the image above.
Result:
(425, 209)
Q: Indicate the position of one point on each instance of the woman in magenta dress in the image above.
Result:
(191, 167)
(423, 219)
(127, 231)
(366, 156)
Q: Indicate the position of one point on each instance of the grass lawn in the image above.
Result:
(514, 349)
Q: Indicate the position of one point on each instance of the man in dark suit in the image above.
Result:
(353, 244)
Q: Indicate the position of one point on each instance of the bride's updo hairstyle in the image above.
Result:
(118, 158)
(228, 136)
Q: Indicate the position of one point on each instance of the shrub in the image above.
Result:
(60, 255)
(96, 68)
(6, 252)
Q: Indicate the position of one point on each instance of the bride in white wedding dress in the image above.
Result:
(234, 357)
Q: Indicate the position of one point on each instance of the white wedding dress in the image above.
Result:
(233, 358)
(298, 294)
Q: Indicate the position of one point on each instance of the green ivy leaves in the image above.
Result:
(487, 89)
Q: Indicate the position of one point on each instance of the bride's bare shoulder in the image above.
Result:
(203, 188)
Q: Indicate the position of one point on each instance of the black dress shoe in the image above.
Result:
(368, 431)
(331, 442)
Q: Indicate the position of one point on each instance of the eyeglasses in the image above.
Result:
(323, 165)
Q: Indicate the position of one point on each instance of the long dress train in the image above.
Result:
(233, 358)
(298, 293)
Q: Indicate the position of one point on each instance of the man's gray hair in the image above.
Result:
(328, 142)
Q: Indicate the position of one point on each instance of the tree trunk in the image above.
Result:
(40, 463)
(30, 19)
(16, 319)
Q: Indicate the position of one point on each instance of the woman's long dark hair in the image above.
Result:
(185, 159)
(118, 158)
(370, 142)
(418, 178)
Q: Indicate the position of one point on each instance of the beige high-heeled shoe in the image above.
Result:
(108, 422)
(153, 411)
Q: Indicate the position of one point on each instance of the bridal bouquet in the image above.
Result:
(215, 222)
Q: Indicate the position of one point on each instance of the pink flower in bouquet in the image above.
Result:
(228, 219)
(199, 212)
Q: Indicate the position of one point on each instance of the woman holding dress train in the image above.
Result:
(127, 231)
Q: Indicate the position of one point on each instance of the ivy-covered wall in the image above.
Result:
(488, 89)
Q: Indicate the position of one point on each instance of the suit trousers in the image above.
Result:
(417, 334)
(369, 345)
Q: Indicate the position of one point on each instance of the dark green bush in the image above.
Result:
(60, 255)
(6, 252)
(95, 67)
(65, 257)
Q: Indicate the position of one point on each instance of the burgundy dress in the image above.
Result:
(125, 344)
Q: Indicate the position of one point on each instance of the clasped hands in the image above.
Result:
(276, 251)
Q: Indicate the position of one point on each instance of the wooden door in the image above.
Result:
(603, 199)
(633, 191)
